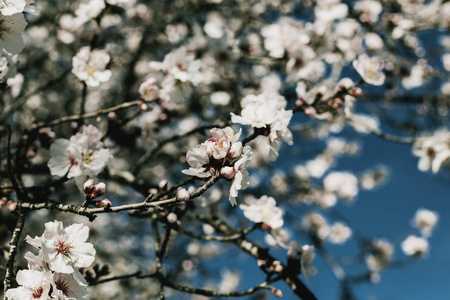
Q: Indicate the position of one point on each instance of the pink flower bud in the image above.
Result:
(103, 203)
(153, 191)
(172, 218)
(261, 262)
(336, 103)
(277, 292)
(88, 186)
(235, 151)
(276, 266)
(183, 195)
(99, 189)
(356, 92)
(227, 172)
(310, 111)
(265, 227)
(12, 205)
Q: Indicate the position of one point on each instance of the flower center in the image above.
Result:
(37, 293)
(63, 248)
(87, 157)
(4, 29)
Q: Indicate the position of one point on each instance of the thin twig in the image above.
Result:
(211, 293)
(88, 115)
(228, 238)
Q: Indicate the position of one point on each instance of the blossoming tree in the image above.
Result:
(181, 134)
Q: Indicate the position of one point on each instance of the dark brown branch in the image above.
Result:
(13, 251)
(297, 286)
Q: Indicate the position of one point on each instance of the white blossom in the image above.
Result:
(344, 184)
(370, 69)
(11, 7)
(264, 210)
(89, 10)
(330, 10)
(339, 233)
(381, 255)
(64, 249)
(82, 155)
(433, 151)
(90, 66)
(415, 246)
(33, 285)
(305, 261)
(68, 287)
(241, 178)
(425, 220)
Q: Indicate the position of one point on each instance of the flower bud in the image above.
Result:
(336, 103)
(261, 262)
(276, 266)
(172, 218)
(277, 292)
(356, 92)
(310, 111)
(228, 172)
(103, 203)
(12, 205)
(88, 186)
(99, 189)
(183, 195)
(235, 151)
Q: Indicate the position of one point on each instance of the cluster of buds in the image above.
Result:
(93, 191)
(221, 154)
(215, 154)
(276, 267)
(11, 205)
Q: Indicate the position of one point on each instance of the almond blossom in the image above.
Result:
(264, 210)
(266, 110)
(415, 246)
(64, 249)
(305, 261)
(370, 69)
(344, 184)
(66, 286)
(425, 220)
(33, 285)
(11, 7)
(221, 154)
(82, 155)
(433, 151)
(241, 178)
(181, 70)
(90, 66)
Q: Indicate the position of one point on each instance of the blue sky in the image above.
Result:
(386, 212)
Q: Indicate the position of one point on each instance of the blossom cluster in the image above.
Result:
(267, 111)
(90, 66)
(221, 154)
(80, 157)
(53, 273)
(424, 220)
(433, 151)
